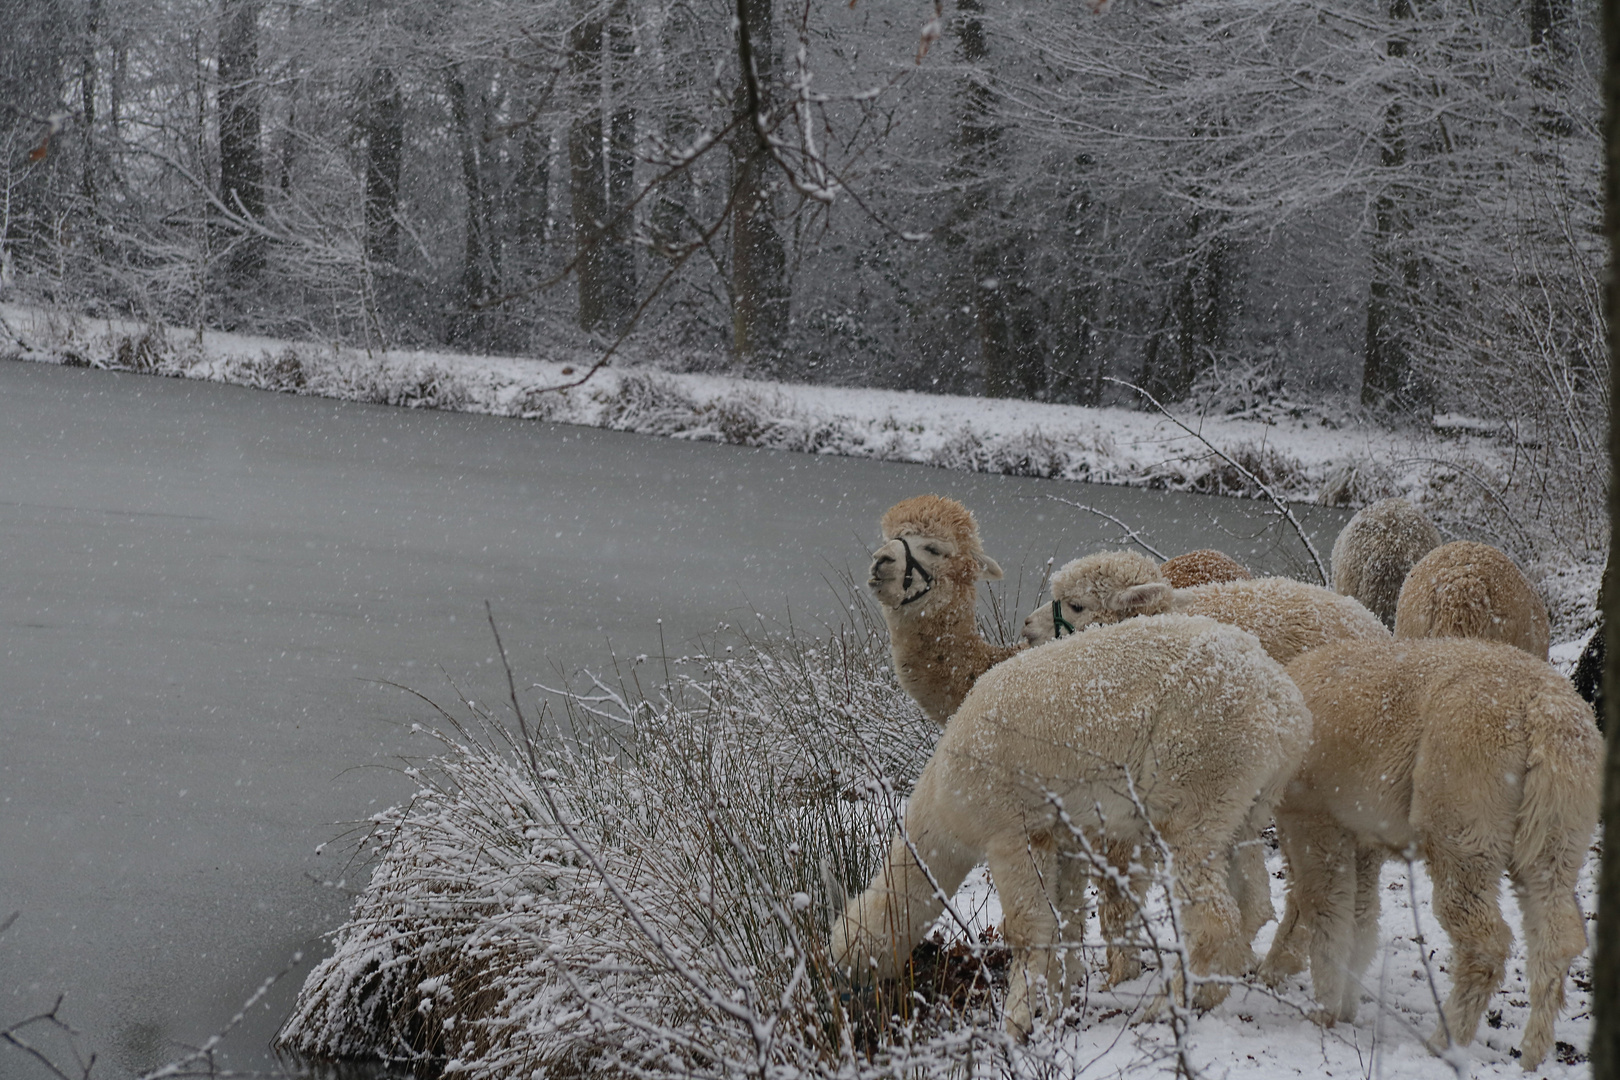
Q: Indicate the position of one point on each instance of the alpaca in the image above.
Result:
(1203, 567)
(925, 578)
(1469, 754)
(1185, 719)
(1289, 617)
(1375, 550)
(1464, 589)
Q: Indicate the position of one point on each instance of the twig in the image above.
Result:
(1276, 501)
(1130, 534)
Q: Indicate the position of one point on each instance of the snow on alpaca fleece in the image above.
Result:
(1464, 589)
(1185, 717)
(1479, 758)
(1376, 549)
(1289, 617)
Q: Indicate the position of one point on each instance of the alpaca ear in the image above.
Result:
(992, 569)
(1180, 601)
(1139, 598)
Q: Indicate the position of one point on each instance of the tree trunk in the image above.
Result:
(241, 169)
(759, 290)
(619, 254)
(587, 167)
(1193, 326)
(1605, 1050)
(1388, 379)
(382, 123)
(87, 100)
(1011, 356)
(477, 265)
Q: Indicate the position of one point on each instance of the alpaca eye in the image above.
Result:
(931, 549)
(1076, 608)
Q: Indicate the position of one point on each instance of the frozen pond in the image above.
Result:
(203, 586)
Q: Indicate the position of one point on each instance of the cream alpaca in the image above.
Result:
(1470, 754)
(1472, 590)
(1289, 617)
(1184, 717)
(1375, 550)
(925, 576)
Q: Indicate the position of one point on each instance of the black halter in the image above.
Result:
(1059, 623)
(913, 566)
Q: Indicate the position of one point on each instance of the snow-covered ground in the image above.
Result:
(1263, 1035)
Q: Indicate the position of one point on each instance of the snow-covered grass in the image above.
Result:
(1463, 476)
(644, 890)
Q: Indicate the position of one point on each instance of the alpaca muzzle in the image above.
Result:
(914, 570)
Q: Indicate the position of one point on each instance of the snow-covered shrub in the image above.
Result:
(642, 889)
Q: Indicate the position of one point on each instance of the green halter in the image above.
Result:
(1059, 623)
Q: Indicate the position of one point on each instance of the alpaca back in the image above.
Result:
(1470, 590)
(1146, 709)
(1477, 731)
(1289, 617)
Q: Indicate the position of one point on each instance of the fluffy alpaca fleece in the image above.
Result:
(1203, 567)
(1478, 758)
(928, 602)
(1289, 617)
(1464, 589)
(1191, 712)
(1375, 550)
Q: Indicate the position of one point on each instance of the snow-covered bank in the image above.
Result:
(655, 901)
(1454, 472)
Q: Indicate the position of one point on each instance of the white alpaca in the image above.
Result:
(925, 576)
(1376, 549)
(1475, 757)
(1182, 717)
(1464, 589)
(1289, 617)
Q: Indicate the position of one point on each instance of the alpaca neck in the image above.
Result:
(939, 654)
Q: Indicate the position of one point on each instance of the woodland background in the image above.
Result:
(1389, 206)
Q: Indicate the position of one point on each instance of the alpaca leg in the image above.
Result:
(1199, 842)
(1555, 933)
(1118, 910)
(1026, 873)
(1321, 894)
(1466, 885)
(1369, 869)
(1247, 877)
(1290, 947)
(882, 925)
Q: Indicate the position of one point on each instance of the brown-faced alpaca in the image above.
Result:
(1476, 757)
(1203, 567)
(925, 576)
(1464, 589)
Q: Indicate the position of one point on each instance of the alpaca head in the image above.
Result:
(1203, 567)
(1107, 587)
(930, 549)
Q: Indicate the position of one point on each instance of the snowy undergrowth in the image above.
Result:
(644, 887)
(1475, 485)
